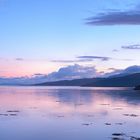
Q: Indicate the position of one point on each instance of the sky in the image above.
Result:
(42, 36)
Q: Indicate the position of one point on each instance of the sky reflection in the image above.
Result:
(40, 112)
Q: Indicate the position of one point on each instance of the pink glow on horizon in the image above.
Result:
(19, 69)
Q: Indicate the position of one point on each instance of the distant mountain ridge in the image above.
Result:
(130, 80)
(76, 82)
(78, 75)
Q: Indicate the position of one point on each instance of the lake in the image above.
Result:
(69, 113)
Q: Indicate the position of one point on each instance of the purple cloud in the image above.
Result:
(129, 17)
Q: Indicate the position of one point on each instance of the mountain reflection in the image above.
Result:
(87, 96)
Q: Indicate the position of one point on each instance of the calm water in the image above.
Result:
(51, 113)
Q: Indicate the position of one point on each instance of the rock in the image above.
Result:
(117, 134)
(137, 88)
(107, 123)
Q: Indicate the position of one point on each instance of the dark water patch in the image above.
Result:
(87, 124)
(118, 134)
(134, 115)
(13, 114)
(58, 101)
(3, 114)
(131, 115)
(122, 136)
(126, 114)
(90, 116)
(119, 123)
(134, 138)
(115, 138)
(107, 123)
(79, 104)
(60, 116)
(13, 111)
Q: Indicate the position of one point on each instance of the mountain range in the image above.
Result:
(77, 75)
(130, 80)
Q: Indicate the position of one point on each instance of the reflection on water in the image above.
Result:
(52, 113)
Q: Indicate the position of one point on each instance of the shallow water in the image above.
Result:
(69, 113)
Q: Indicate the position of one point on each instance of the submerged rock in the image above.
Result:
(13, 111)
(137, 88)
(134, 138)
(116, 138)
(118, 134)
(107, 123)
(131, 115)
(87, 124)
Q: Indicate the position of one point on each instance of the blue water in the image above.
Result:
(69, 113)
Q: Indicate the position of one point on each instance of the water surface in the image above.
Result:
(69, 113)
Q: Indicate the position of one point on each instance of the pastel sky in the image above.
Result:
(40, 36)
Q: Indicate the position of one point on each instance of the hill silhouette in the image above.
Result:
(130, 80)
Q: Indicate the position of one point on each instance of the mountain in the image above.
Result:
(76, 82)
(127, 71)
(83, 75)
(22, 80)
(130, 80)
